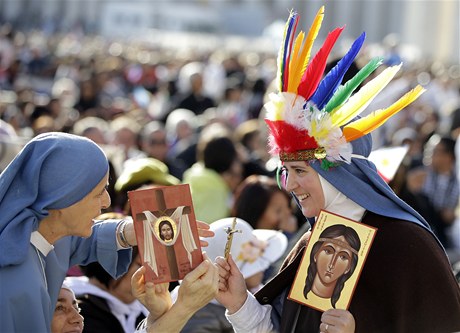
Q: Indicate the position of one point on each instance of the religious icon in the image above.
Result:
(230, 232)
(332, 262)
(166, 231)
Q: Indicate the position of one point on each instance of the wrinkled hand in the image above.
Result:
(337, 321)
(232, 287)
(203, 231)
(155, 297)
(199, 286)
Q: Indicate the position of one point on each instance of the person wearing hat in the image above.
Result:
(254, 251)
(406, 284)
(141, 172)
(67, 317)
(50, 195)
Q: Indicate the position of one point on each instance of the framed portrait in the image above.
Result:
(332, 262)
(166, 231)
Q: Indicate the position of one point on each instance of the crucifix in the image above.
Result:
(165, 212)
(230, 232)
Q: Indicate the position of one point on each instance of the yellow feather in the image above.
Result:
(359, 101)
(367, 124)
(306, 51)
(294, 63)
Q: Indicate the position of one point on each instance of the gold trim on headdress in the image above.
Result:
(303, 155)
(339, 242)
(312, 110)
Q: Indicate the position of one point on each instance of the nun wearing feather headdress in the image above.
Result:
(49, 196)
(316, 131)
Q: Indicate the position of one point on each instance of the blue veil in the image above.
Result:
(360, 182)
(53, 171)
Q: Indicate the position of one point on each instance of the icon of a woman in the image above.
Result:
(333, 260)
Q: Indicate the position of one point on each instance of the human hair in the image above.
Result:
(219, 154)
(253, 196)
(352, 239)
(95, 270)
(247, 131)
(162, 223)
(449, 146)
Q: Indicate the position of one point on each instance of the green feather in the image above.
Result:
(326, 164)
(344, 92)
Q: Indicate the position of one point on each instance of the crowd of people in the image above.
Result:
(84, 120)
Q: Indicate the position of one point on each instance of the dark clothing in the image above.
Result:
(98, 317)
(196, 103)
(406, 285)
(209, 319)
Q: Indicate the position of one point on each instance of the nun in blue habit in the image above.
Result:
(49, 195)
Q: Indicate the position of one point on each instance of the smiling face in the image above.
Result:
(303, 181)
(67, 318)
(333, 261)
(78, 218)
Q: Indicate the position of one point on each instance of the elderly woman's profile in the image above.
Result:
(166, 231)
(333, 260)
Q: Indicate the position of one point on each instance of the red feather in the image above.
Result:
(314, 72)
(287, 138)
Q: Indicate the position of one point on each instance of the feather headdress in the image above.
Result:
(312, 117)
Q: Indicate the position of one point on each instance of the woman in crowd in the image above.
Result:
(67, 317)
(50, 195)
(107, 304)
(406, 284)
(260, 202)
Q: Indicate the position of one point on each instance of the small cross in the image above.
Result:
(230, 231)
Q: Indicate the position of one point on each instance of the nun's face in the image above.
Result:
(78, 218)
(303, 181)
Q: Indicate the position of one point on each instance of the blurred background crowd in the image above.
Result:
(190, 110)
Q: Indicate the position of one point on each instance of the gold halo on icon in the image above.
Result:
(173, 225)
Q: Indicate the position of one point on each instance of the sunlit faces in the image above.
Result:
(66, 318)
(78, 218)
(303, 181)
(333, 261)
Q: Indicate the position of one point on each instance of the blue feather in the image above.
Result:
(287, 48)
(332, 80)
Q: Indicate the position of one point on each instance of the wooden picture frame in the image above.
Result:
(166, 231)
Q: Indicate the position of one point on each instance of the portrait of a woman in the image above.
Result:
(333, 260)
